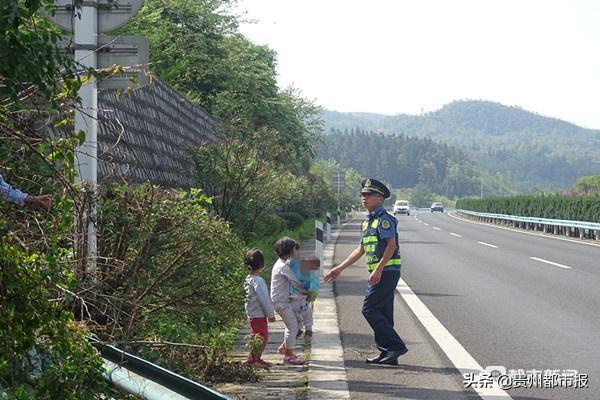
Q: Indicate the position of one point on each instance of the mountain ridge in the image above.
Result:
(536, 152)
(459, 106)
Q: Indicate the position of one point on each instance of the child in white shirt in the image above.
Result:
(281, 278)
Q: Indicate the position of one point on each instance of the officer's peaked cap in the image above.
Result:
(374, 186)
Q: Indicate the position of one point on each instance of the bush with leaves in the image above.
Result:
(247, 182)
(40, 342)
(44, 353)
(174, 280)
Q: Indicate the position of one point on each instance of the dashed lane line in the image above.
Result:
(455, 234)
(551, 263)
(488, 245)
(436, 228)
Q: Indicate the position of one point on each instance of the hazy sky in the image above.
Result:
(400, 56)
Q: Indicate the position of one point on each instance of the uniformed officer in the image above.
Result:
(379, 242)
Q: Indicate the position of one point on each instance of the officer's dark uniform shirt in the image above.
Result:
(379, 227)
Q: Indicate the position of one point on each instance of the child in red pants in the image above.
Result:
(258, 305)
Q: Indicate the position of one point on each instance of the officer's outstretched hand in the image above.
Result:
(333, 274)
(375, 276)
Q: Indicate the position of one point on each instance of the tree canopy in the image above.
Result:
(405, 162)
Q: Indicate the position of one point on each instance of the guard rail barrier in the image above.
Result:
(582, 229)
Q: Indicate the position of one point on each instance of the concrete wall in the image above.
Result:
(148, 135)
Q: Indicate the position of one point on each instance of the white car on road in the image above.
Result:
(401, 207)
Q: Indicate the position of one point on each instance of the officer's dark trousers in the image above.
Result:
(378, 309)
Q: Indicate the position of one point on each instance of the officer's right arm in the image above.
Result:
(351, 259)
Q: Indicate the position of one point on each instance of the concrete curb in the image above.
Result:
(326, 371)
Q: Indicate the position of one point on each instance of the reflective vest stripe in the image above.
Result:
(369, 248)
(391, 262)
(369, 239)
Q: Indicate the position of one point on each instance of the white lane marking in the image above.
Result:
(455, 234)
(488, 245)
(525, 233)
(460, 357)
(551, 263)
(425, 223)
(436, 228)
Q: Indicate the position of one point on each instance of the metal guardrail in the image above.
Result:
(583, 229)
(543, 221)
(120, 363)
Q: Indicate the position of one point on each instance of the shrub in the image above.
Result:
(174, 274)
(293, 219)
(552, 206)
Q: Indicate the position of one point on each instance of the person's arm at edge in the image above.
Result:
(11, 194)
(21, 198)
(44, 201)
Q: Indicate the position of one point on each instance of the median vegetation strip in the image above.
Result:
(552, 206)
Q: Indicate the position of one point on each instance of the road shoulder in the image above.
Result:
(424, 373)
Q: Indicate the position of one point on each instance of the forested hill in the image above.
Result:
(533, 150)
(405, 162)
(459, 116)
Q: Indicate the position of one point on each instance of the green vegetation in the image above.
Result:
(44, 353)
(405, 162)
(30, 58)
(532, 151)
(587, 185)
(174, 275)
(258, 172)
(553, 206)
(169, 282)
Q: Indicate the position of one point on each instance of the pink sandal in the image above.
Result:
(292, 360)
(260, 363)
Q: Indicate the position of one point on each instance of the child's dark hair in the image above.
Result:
(285, 246)
(254, 259)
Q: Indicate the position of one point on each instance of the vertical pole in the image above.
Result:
(328, 226)
(86, 43)
(338, 190)
(319, 240)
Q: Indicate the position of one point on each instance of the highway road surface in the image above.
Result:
(525, 302)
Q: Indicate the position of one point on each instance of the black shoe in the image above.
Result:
(391, 357)
(375, 360)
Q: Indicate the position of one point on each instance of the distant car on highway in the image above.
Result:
(437, 207)
(401, 207)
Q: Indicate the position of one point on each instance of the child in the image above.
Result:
(281, 279)
(258, 305)
(303, 297)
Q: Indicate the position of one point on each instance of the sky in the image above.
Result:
(400, 56)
